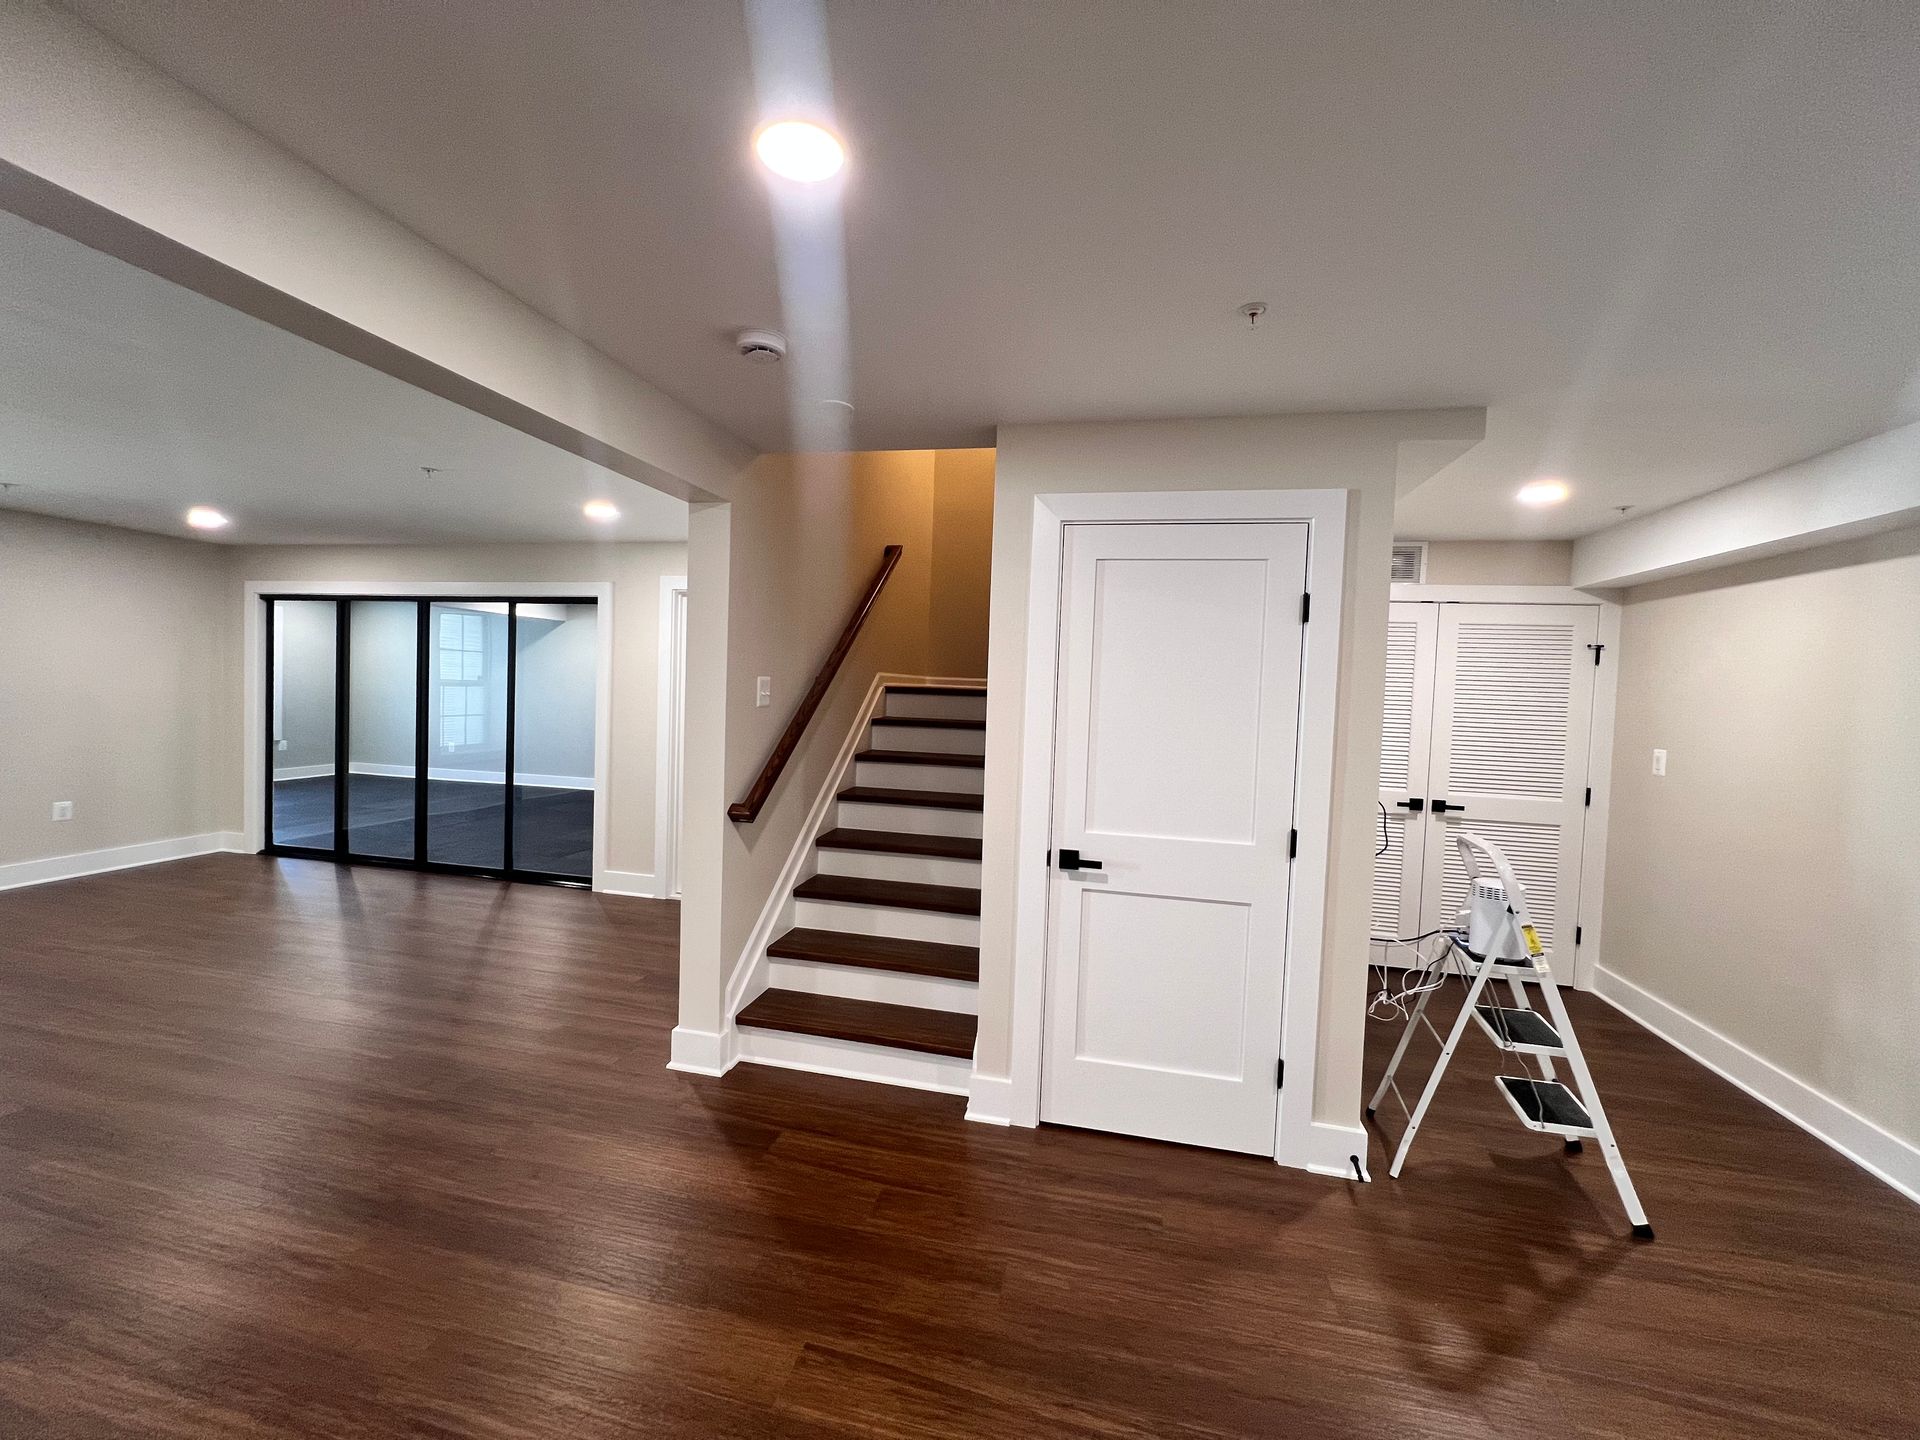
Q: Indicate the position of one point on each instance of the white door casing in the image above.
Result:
(1177, 717)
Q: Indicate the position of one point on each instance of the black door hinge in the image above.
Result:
(1293, 843)
(1589, 795)
(1596, 649)
(1306, 608)
(1280, 1074)
(1576, 934)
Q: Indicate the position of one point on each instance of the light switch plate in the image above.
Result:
(1659, 762)
(763, 691)
(63, 809)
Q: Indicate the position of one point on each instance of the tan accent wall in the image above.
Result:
(635, 572)
(1768, 885)
(962, 562)
(1499, 562)
(118, 658)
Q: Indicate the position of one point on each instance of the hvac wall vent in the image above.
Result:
(1409, 562)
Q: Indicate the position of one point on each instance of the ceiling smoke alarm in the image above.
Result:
(762, 347)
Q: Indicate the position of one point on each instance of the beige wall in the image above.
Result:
(1499, 562)
(962, 562)
(634, 571)
(1767, 885)
(118, 657)
(1357, 453)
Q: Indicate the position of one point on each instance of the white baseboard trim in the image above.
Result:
(627, 882)
(702, 1052)
(1332, 1149)
(1877, 1151)
(118, 857)
(852, 1060)
(470, 777)
(990, 1100)
(301, 772)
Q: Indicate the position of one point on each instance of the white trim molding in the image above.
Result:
(119, 857)
(254, 699)
(670, 679)
(1335, 1150)
(990, 1099)
(629, 882)
(1324, 512)
(702, 1052)
(1875, 1150)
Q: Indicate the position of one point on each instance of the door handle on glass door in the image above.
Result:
(1070, 860)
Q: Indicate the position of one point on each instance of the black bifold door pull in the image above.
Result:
(1070, 860)
(1413, 803)
(1441, 807)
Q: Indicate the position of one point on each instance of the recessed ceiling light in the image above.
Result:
(799, 150)
(205, 517)
(1543, 492)
(602, 510)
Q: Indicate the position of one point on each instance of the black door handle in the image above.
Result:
(1070, 860)
(1441, 807)
(1416, 804)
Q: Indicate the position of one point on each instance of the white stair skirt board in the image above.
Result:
(1873, 1149)
(848, 918)
(628, 882)
(990, 1100)
(906, 775)
(1334, 1150)
(852, 1060)
(937, 707)
(912, 869)
(906, 819)
(888, 987)
(928, 741)
(118, 857)
(702, 1052)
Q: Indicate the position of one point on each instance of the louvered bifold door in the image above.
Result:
(1405, 730)
(1512, 708)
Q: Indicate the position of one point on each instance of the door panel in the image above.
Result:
(1513, 702)
(1177, 714)
(1405, 734)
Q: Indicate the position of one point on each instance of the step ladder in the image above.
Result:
(1512, 956)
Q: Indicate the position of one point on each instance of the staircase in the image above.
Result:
(877, 975)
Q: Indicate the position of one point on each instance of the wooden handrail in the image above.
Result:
(747, 808)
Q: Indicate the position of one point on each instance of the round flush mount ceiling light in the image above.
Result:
(601, 510)
(205, 517)
(799, 150)
(1543, 492)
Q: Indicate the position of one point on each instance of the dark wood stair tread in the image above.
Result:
(923, 757)
(901, 1027)
(901, 894)
(929, 722)
(979, 690)
(931, 799)
(889, 842)
(879, 952)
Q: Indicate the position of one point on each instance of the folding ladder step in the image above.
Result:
(1525, 1031)
(1546, 1105)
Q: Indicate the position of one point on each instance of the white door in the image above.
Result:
(1176, 721)
(1512, 710)
(1405, 734)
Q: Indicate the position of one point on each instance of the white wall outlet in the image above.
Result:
(279, 744)
(1659, 762)
(63, 809)
(763, 691)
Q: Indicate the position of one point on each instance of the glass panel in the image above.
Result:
(554, 676)
(383, 651)
(467, 734)
(303, 728)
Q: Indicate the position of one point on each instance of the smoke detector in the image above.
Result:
(762, 347)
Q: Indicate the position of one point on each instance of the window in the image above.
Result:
(463, 671)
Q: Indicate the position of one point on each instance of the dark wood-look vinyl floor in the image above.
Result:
(292, 1149)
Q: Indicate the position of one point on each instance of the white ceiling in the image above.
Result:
(1669, 245)
(124, 399)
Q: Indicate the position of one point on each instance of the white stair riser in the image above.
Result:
(950, 1075)
(915, 869)
(932, 742)
(887, 987)
(937, 707)
(910, 819)
(905, 775)
(899, 924)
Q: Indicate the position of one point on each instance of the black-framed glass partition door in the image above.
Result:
(451, 734)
